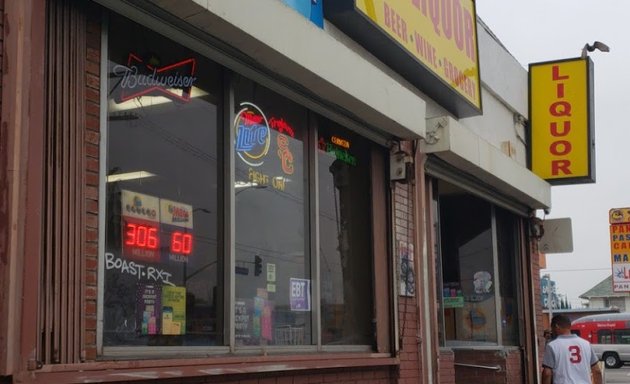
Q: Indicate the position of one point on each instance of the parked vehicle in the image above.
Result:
(609, 334)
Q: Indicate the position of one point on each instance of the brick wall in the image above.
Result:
(447, 367)
(514, 367)
(91, 143)
(345, 376)
(409, 326)
(509, 362)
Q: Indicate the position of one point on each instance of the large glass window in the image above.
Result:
(162, 267)
(477, 256)
(344, 217)
(273, 271)
(167, 270)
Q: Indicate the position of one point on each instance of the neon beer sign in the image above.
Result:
(284, 153)
(141, 78)
(252, 134)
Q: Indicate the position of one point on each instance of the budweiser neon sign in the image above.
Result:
(139, 79)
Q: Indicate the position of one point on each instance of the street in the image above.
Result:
(621, 375)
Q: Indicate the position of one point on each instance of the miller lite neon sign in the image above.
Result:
(140, 78)
(252, 134)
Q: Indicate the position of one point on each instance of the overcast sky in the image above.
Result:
(543, 30)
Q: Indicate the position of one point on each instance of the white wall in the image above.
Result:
(504, 97)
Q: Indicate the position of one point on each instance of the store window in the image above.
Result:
(344, 217)
(273, 265)
(477, 258)
(162, 278)
(302, 203)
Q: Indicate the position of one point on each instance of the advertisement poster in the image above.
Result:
(173, 310)
(620, 248)
(242, 321)
(266, 322)
(148, 306)
(300, 294)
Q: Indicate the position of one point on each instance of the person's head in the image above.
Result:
(560, 325)
(547, 334)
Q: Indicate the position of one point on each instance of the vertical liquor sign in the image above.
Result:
(561, 115)
(620, 248)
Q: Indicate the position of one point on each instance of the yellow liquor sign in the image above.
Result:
(433, 44)
(561, 118)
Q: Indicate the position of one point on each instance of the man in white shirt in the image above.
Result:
(569, 359)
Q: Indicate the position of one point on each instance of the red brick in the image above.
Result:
(92, 108)
(92, 137)
(91, 192)
(90, 323)
(92, 81)
(91, 178)
(90, 277)
(91, 150)
(93, 123)
(93, 40)
(90, 292)
(91, 221)
(92, 68)
(90, 307)
(90, 354)
(91, 235)
(93, 54)
(91, 206)
(91, 264)
(92, 165)
(90, 338)
(92, 95)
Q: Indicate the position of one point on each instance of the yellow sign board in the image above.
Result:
(442, 35)
(620, 248)
(561, 115)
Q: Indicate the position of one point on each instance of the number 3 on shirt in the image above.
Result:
(576, 355)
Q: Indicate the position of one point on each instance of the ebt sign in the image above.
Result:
(252, 134)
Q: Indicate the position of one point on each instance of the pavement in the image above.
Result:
(618, 375)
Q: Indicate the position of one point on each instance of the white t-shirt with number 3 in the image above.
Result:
(570, 357)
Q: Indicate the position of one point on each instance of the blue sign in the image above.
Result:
(300, 295)
(311, 9)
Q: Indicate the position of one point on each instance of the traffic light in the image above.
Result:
(257, 265)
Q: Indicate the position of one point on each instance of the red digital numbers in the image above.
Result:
(147, 237)
(141, 236)
(181, 243)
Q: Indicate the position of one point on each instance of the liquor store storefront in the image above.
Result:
(202, 216)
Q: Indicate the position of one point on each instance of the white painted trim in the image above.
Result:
(465, 150)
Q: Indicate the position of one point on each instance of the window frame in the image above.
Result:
(435, 213)
(382, 290)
